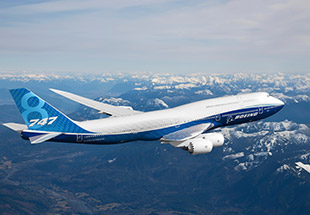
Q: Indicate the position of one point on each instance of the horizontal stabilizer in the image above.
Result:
(185, 134)
(40, 138)
(101, 107)
(15, 126)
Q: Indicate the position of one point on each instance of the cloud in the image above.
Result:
(266, 32)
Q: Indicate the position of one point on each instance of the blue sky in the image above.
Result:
(214, 36)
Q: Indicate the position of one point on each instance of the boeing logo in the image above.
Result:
(240, 116)
(243, 116)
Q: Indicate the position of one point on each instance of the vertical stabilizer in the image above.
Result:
(39, 115)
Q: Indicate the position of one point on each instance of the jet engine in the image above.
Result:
(217, 139)
(200, 146)
(204, 143)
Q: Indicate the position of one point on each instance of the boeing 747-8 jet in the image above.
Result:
(187, 126)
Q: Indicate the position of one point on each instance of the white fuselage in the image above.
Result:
(179, 115)
(185, 126)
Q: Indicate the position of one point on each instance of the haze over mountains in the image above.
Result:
(263, 167)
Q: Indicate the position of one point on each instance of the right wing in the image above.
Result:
(101, 107)
(194, 140)
(179, 137)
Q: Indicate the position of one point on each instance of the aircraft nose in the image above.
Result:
(278, 102)
(281, 103)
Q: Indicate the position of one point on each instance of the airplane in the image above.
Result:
(187, 126)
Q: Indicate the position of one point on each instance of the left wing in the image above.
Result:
(101, 107)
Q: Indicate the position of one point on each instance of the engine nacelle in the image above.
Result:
(217, 139)
(204, 143)
(200, 146)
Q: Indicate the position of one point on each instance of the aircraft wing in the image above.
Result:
(177, 138)
(101, 107)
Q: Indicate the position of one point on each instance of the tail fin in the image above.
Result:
(39, 115)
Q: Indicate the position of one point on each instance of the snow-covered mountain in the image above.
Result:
(249, 145)
(263, 167)
(287, 84)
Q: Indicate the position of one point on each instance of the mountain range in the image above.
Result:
(263, 167)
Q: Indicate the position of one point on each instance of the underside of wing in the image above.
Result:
(176, 138)
(194, 140)
(101, 107)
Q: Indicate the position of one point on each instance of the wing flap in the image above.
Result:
(40, 138)
(101, 107)
(180, 136)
